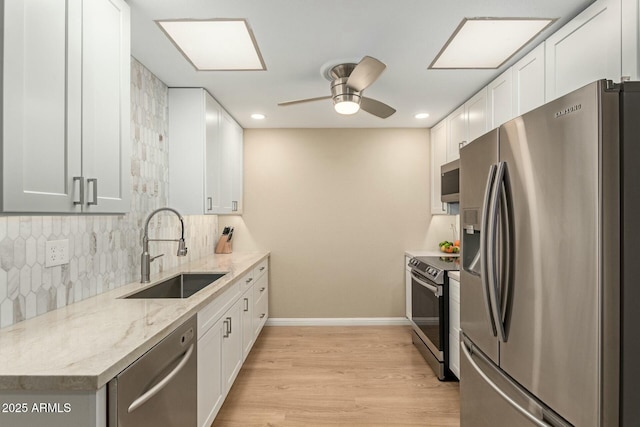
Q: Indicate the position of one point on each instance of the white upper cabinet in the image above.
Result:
(65, 124)
(500, 99)
(438, 158)
(528, 82)
(476, 115)
(205, 155)
(106, 103)
(457, 124)
(586, 49)
(630, 39)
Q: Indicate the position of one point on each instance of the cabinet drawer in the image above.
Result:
(261, 269)
(246, 281)
(209, 315)
(260, 289)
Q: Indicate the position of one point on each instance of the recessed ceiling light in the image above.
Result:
(421, 115)
(258, 116)
(215, 44)
(487, 42)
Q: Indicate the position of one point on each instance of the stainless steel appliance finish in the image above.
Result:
(181, 286)
(430, 310)
(541, 272)
(146, 259)
(450, 182)
(160, 387)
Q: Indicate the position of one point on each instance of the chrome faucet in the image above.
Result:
(146, 259)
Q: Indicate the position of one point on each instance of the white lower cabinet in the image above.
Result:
(210, 391)
(454, 326)
(248, 337)
(231, 345)
(227, 330)
(261, 304)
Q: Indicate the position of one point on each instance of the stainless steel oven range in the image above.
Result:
(430, 310)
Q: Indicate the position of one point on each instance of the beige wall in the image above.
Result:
(337, 208)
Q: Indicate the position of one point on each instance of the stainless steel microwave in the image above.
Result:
(450, 182)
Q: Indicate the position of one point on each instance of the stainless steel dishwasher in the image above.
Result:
(159, 389)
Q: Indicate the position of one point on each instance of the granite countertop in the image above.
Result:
(455, 275)
(84, 345)
(423, 252)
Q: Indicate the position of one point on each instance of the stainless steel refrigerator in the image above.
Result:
(550, 306)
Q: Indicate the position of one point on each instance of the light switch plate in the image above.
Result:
(56, 252)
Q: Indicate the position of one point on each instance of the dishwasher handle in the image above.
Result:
(156, 388)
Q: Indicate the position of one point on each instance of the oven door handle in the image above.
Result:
(433, 288)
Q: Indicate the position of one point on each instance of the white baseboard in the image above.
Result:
(337, 321)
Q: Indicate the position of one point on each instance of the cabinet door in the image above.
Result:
(476, 115)
(630, 39)
(438, 158)
(500, 99)
(213, 196)
(261, 304)
(457, 123)
(227, 152)
(231, 344)
(210, 384)
(528, 82)
(42, 79)
(237, 169)
(586, 49)
(106, 140)
(247, 322)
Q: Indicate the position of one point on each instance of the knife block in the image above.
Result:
(224, 246)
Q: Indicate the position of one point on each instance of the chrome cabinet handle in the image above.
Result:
(234, 206)
(246, 304)
(262, 289)
(94, 200)
(209, 203)
(226, 328)
(498, 390)
(261, 268)
(156, 388)
(248, 280)
(80, 190)
(462, 144)
(262, 315)
(230, 328)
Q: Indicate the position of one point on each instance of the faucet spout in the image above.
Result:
(146, 258)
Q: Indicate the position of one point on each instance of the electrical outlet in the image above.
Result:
(56, 252)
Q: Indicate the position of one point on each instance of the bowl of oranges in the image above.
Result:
(450, 247)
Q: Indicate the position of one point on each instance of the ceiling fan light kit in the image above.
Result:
(348, 81)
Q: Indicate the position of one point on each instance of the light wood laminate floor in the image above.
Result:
(338, 376)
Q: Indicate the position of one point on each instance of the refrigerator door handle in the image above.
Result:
(505, 283)
(484, 248)
(531, 417)
(493, 277)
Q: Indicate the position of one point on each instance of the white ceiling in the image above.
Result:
(299, 39)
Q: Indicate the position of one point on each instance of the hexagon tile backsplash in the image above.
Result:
(104, 251)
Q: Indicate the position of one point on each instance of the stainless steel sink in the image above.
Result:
(181, 286)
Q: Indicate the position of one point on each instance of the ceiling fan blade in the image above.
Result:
(300, 101)
(376, 108)
(366, 72)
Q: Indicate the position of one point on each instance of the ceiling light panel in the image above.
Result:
(215, 44)
(487, 42)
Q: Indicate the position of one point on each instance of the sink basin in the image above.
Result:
(181, 286)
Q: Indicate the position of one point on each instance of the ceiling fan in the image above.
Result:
(347, 83)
